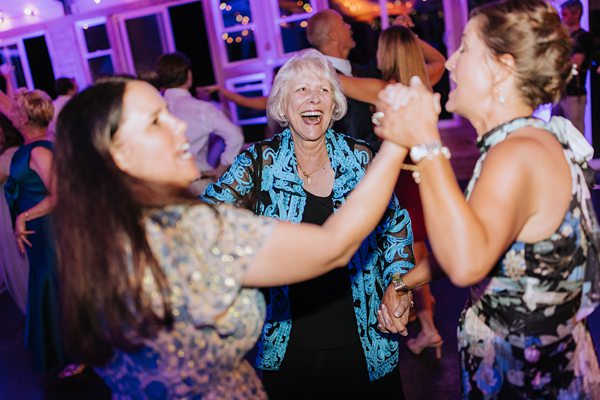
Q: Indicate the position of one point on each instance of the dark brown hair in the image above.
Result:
(530, 31)
(103, 251)
(172, 69)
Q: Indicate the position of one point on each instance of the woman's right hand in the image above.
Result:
(411, 114)
(21, 232)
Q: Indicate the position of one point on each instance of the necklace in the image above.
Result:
(308, 174)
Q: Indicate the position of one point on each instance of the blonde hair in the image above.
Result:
(532, 33)
(311, 61)
(31, 108)
(399, 57)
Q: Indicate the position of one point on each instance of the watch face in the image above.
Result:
(417, 153)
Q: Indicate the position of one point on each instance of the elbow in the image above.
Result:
(463, 272)
(343, 255)
(461, 280)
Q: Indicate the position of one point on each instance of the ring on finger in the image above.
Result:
(376, 118)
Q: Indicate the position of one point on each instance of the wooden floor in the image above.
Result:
(423, 377)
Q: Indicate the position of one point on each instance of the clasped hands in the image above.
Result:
(408, 114)
(392, 316)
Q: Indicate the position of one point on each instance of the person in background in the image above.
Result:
(6, 96)
(14, 267)
(319, 340)
(400, 56)
(65, 89)
(30, 194)
(572, 105)
(202, 118)
(327, 32)
(158, 291)
(526, 236)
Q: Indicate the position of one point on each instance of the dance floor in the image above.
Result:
(423, 376)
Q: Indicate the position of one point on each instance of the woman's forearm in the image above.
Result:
(362, 89)
(425, 271)
(434, 62)
(365, 206)
(308, 250)
(44, 207)
(256, 103)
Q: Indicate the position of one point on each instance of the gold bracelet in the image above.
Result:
(399, 285)
(415, 172)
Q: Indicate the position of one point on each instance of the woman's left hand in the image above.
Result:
(410, 114)
(392, 316)
(21, 232)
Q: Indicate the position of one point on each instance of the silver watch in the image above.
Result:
(428, 150)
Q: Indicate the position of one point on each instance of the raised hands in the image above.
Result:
(410, 114)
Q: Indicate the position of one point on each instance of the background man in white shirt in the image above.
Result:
(202, 118)
(65, 88)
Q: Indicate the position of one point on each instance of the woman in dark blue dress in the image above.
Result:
(30, 198)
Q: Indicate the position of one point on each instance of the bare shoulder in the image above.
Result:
(527, 146)
(41, 155)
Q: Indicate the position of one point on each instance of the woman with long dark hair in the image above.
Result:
(153, 280)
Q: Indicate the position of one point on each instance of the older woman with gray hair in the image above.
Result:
(320, 337)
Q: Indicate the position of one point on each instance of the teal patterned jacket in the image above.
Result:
(387, 250)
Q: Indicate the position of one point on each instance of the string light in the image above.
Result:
(30, 11)
(97, 1)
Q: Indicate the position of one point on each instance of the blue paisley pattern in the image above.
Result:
(204, 255)
(523, 333)
(387, 250)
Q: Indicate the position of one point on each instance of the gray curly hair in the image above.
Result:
(307, 61)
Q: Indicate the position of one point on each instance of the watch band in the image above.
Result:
(399, 285)
(428, 150)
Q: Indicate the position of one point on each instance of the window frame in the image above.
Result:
(85, 54)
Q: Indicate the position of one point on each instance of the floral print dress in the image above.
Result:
(203, 251)
(523, 334)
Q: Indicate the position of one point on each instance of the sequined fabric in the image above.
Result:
(204, 253)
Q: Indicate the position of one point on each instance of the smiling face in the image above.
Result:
(150, 143)
(309, 106)
(470, 71)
